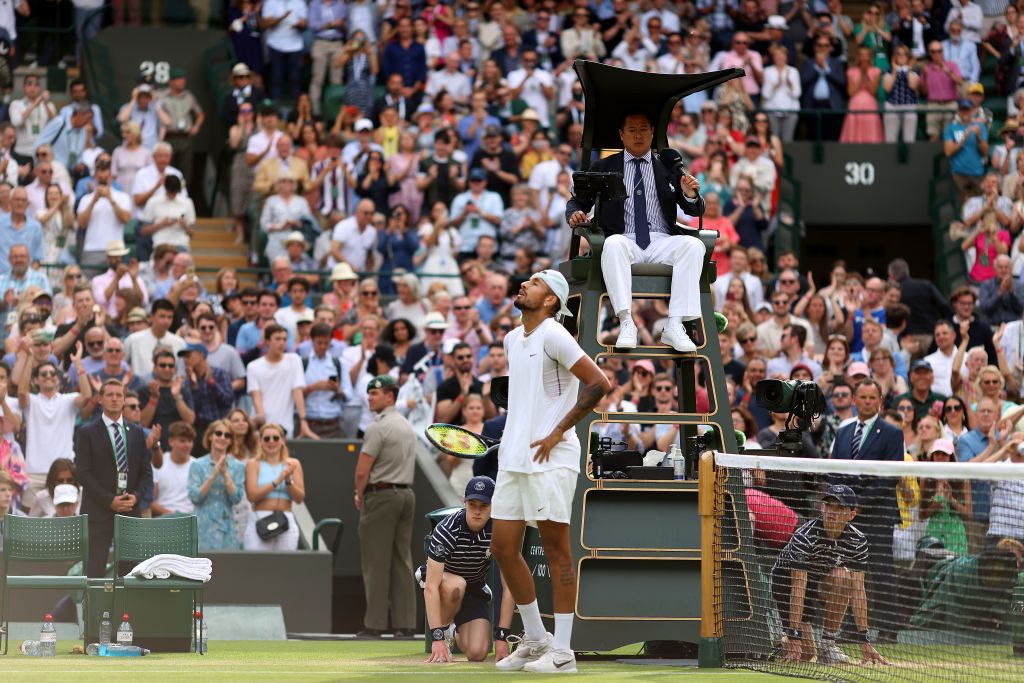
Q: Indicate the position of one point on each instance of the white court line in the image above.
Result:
(445, 672)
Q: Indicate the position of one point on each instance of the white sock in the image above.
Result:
(531, 621)
(624, 315)
(675, 320)
(563, 631)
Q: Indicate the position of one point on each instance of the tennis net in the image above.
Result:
(870, 571)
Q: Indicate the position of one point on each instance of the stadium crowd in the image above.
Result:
(397, 232)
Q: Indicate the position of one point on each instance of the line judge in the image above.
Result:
(642, 229)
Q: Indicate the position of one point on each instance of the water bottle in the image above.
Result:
(1017, 620)
(124, 651)
(93, 649)
(124, 631)
(203, 631)
(678, 464)
(29, 648)
(105, 629)
(48, 638)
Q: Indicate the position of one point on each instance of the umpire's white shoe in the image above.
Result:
(830, 653)
(676, 337)
(526, 651)
(627, 335)
(553, 662)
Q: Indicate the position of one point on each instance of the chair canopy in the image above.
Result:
(609, 91)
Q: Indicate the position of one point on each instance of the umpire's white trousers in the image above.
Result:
(684, 253)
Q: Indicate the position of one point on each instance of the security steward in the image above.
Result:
(456, 597)
(384, 497)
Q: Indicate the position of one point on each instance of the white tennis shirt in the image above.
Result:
(541, 390)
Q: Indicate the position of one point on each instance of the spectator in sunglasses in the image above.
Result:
(215, 483)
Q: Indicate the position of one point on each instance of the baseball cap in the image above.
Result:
(763, 307)
(449, 346)
(381, 382)
(858, 368)
(964, 103)
(942, 446)
(491, 131)
(363, 124)
(240, 69)
(42, 294)
(559, 287)
(65, 493)
(190, 347)
(842, 494)
(480, 488)
(177, 72)
(530, 115)
(425, 108)
(803, 366)
(434, 321)
(646, 365)
(42, 336)
(920, 364)
(477, 174)
(145, 88)
(304, 317)
(975, 89)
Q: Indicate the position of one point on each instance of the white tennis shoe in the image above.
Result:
(627, 335)
(526, 651)
(676, 337)
(830, 653)
(553, 662)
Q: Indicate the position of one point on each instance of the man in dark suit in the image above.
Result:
(642, 229)
(114, 468)
(823, 86)
(869, 437)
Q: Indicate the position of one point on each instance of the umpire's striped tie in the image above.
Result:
(857, 434)
(120, 454)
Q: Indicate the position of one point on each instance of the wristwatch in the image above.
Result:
(437, 634)
(502, 633)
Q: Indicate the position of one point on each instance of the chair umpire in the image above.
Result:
(114, 467)
(642, 229)
(384, 497)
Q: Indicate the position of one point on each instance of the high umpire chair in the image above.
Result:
(633, 538)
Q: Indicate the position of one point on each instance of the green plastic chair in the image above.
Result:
(137, 539)
(33, 539)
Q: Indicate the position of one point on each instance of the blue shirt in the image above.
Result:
(321, 13)
(249, 337)
(410, 62)
(857, 343)
(323, 405)
(968, 160)
(968, 446)
(471, 144)
(31, 235)
(32, 278)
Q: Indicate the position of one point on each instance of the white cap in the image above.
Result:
(65, 493)
(363, 124)
(558, 286)
(434, 321)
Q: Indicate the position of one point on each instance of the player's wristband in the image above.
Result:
(502, 633)
(793, 633)
(437, 634)
(862, 637)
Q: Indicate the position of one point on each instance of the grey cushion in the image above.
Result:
(651, 269)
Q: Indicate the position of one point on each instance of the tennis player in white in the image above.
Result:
(538, 463)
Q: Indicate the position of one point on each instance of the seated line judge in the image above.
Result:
(642, 229)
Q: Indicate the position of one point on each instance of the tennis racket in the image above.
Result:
(459, 442)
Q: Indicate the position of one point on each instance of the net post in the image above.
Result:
(710, 650)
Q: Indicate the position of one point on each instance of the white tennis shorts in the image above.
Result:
(540, 496)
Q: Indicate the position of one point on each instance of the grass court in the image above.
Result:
(309, 661)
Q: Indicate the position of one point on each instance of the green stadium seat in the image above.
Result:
(60, 540)
(334, 98)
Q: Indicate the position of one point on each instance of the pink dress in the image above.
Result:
(726, 231)
(862, 127)
(407, 195)
(986, 255)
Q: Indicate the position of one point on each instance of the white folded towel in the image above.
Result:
(164, 566)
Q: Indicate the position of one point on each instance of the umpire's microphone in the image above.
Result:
(673, 159)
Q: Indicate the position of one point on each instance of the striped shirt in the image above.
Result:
(461, 550)
(1006, 517)
(655, 220)
(811, 550)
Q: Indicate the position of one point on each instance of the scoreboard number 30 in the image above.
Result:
(862, 173)
(155, 72)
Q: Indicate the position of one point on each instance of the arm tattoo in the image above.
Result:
(589, 396)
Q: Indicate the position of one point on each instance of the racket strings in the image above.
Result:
(457, 440)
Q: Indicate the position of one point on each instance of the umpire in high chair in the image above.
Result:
(642, 229)
(387, 505)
